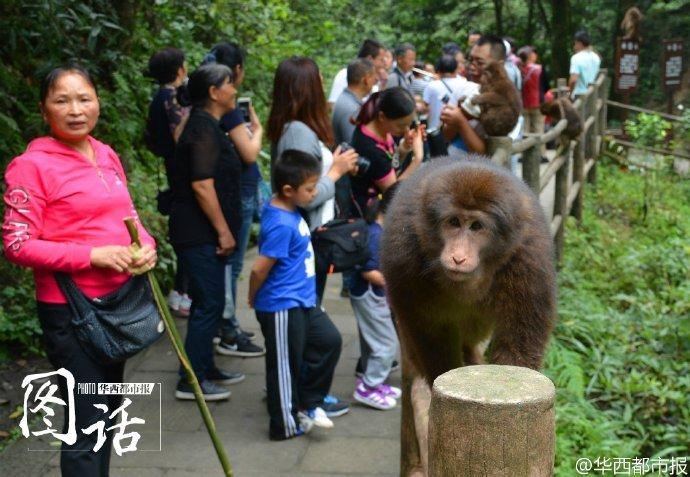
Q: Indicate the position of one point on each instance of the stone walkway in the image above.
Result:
(363, 442)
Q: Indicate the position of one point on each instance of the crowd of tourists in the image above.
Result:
(331, 157)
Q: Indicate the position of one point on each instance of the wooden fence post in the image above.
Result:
(531, 159)
(578, 177)
(580, 154)
(560, 202)
(492, 420)
(603, 118)
(499, 149)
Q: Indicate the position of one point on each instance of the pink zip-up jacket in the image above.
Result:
(58, 207)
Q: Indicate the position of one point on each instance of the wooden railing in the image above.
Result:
(575, 161)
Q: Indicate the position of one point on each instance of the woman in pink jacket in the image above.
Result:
(66, 198)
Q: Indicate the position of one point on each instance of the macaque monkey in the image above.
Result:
(468, 258)
(631, 24)
(561, 108)
(498, 101)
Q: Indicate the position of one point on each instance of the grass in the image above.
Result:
(620, 355)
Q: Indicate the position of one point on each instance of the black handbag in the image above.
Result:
(341, 245)
(118, 325)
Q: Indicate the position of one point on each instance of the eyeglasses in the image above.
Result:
(476, 60)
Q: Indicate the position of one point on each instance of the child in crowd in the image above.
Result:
(302, 344)
(377, 335)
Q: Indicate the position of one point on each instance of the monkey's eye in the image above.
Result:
(476, 225)
(454, 222)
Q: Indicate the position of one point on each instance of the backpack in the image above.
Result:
(341, 245)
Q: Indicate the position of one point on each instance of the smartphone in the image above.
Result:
(243, 105)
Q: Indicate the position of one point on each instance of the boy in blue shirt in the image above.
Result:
(302, 344)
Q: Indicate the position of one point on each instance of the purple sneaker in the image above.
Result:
(392, 391)
(373, 397)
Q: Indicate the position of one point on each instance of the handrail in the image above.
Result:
(655, 150)
(670, 117)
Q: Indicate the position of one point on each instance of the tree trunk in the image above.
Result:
(561, 37)
(530, 23)
(498, 12)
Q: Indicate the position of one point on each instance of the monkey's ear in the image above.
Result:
(426, 196)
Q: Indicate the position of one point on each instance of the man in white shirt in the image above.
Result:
(447, 90)
(371, 50)
(584, 65)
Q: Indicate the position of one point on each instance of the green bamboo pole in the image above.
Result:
(176, 340)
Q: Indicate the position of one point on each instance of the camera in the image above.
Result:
(445, 99)
(363, 163)
(243, 105)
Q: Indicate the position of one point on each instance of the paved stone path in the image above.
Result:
(363, 442)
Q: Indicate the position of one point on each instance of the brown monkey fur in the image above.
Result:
(560, 108)
(498, 99)
(467, 256)
(631, 24)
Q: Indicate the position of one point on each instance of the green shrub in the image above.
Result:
(620, 354)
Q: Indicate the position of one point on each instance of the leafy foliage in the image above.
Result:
(648, 129)
(620, 355)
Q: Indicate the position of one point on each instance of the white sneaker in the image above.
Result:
(185, 305)
(317, 416)
(174, 300)
(305, 422)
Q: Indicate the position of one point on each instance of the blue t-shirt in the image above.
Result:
(250, 172)
(585, 64)
(358, 285)
(291, 282)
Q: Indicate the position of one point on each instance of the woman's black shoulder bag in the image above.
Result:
(341, 245)
(118, 325)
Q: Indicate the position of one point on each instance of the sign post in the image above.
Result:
(672, 68)
(627, 71)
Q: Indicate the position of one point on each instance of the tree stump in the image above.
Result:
(492, 421)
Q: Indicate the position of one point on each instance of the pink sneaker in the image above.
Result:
(373, 397)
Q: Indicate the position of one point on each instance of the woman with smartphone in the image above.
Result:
(244, 129)
(386, 114)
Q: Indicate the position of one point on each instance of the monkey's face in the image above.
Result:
(465, 235)
(469, 221)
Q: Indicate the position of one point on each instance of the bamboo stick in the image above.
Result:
(176, 341)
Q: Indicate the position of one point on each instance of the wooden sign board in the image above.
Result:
(672, 64)
(627, 65)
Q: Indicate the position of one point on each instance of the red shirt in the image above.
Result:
(58, 207)
(530, 85)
